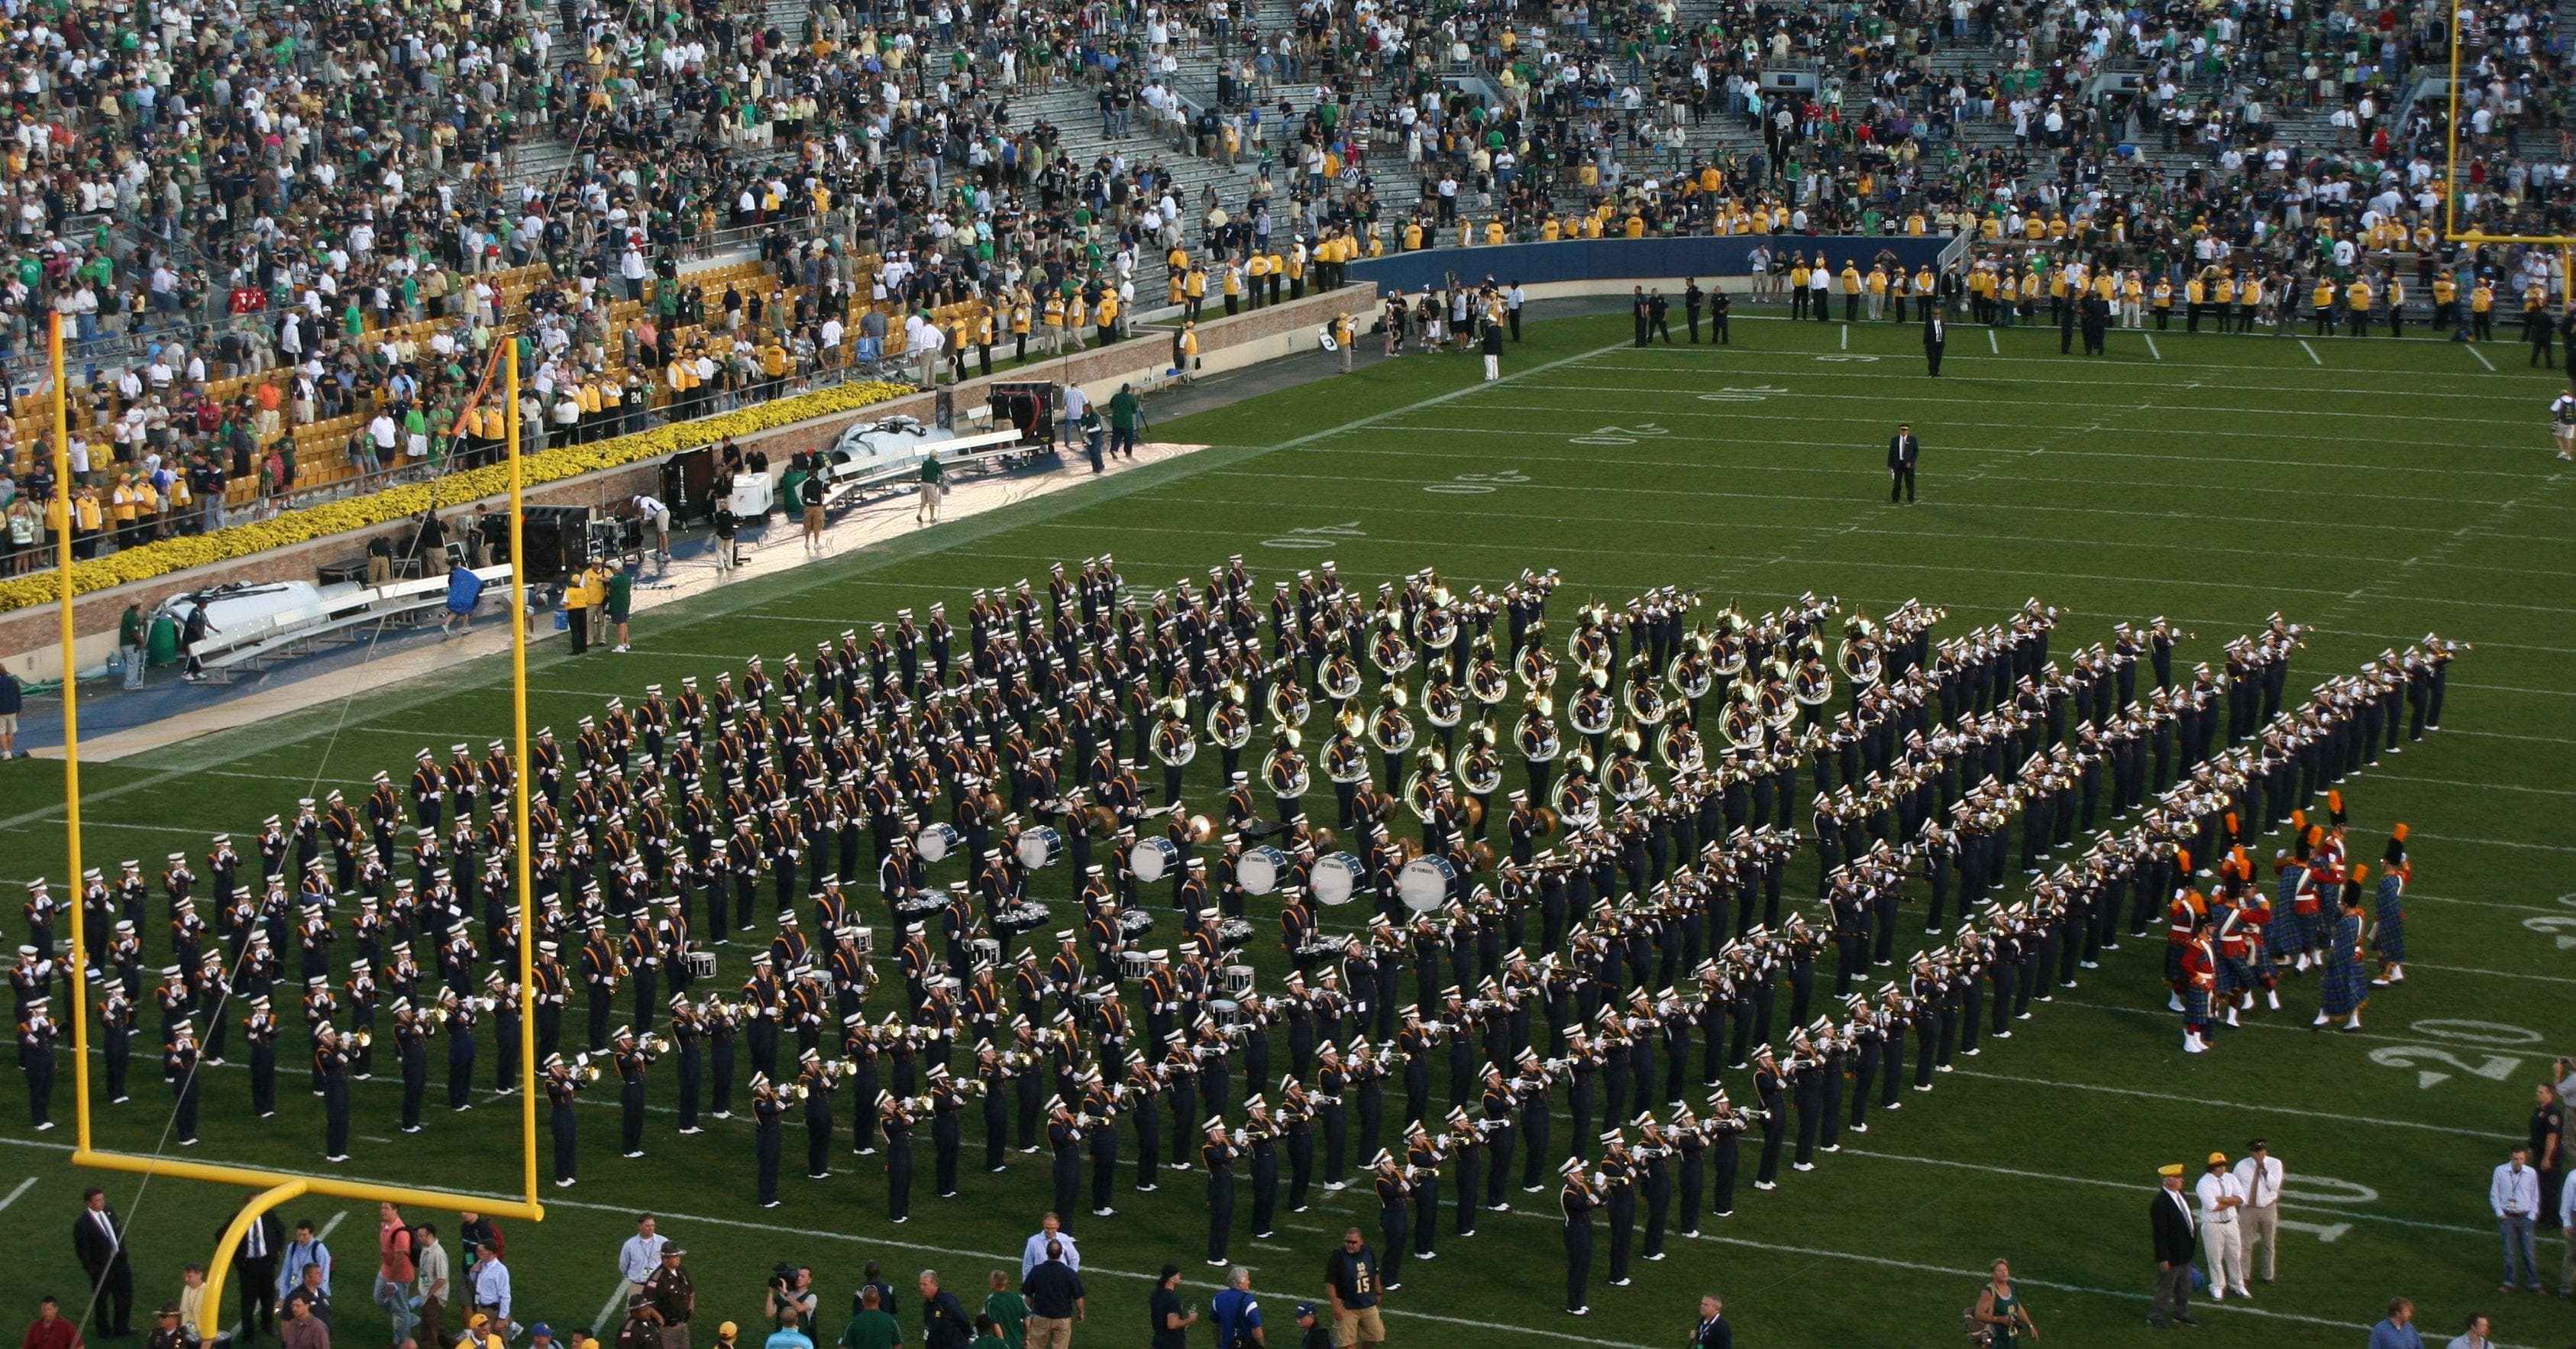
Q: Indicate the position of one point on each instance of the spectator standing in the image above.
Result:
(98, 1238)
(871, 1326)
(787, 1336)
(2169, 1223)
(2259, 1175)
(640, 1255)
(2548, 1150)
(1126, 416)
(2398, 1331)
(432, 1286)
(255, 1270)
(491, 1290)
(943, 1321)
(130, 643)
(50, 1329)
(1351, 1289)
(2514, 1194)
(397, 1269)
(2473, 1335)
(1008, 1310)
(1170, 1322)
(1237, 1312)
(1712, 1331)
(674, 1296)
(1311, 1332)
(1056, 1300)
(307, 1250)
(2221, 1236)
(13, 697)
(1033, 1252)
(303, 1328)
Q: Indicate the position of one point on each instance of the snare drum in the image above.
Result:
(700, 964)
(865, 940)
(1424, 882)
(1153, 859)
(1234, 933)
(1133, 966)
(935, 841)
(1040, 847)
(1135, 923)
(1338, 876)
(988, 950)
(1235, 980)
(1225, 1012)
(1261, 870)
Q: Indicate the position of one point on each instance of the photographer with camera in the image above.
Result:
(791, 1301)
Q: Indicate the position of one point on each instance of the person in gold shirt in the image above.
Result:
(2249, 302)
(2321, 299)
(2482, 311)
(1194, 289)
(2538, 326)
(2395, 297)
(1797, 285)
(2356, 305)
(2446, 302)
(2164, 299)
(1850, 278)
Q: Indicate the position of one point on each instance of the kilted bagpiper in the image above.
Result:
(2388, 937)
(2344, 987)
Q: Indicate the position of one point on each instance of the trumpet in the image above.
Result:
(363, 1038)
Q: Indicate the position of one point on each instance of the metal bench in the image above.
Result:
(258, 643)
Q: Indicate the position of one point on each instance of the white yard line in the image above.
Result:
(2493, 974)
(616, 1303)
(2151, 346)
(1991, 344)
(23, 1186)
(2276, 1108)
(2482, 356)
(2136, 1188)
(1846, 337)
(2312, 351)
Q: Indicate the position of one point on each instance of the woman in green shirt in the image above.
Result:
(1999, 1310)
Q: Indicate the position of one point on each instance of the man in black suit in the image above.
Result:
(1936, 336)
(255, 1275)
(2170, 1219)
(1902, 450)
(99, 1240)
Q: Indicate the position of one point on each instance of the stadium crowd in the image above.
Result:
(282, 242)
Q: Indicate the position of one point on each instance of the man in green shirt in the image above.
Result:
(130, 635)
(927, 513)
(1126, 414)
(872, 1327)
(1008, 1311)
(621, 598)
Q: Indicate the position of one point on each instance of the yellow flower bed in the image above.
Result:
(394, 503)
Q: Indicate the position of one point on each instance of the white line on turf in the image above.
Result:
(2493, 974)
(616, 1301)
(23, 1186)
(1846, 337)
(2277, 1108)
(2093, 419)
(2151, 349)
(1991, 344)
(2414, 895)
(2513, 688)
(2136, 1188)
(2482, 356)
(2498, 842)
(2312, 351)
(2491, 786)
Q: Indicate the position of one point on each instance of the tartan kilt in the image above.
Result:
(2195, 1006)
(2173, 962)
(2235, 975)
(2291, 932)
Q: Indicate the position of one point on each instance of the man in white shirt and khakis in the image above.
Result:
(2259, 1175)
(2221, 1234)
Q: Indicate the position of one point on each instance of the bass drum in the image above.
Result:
(1040, 847)
(1153, 859)
(1424, 882)
(1338, 877)
(936, 841)
(1261, 870)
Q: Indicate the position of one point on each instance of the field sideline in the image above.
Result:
(2370, 489)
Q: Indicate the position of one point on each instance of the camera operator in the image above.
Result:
(791, 1295)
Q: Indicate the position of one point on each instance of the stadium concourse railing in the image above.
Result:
(1595, 266)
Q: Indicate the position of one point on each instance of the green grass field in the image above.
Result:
(2370, 489)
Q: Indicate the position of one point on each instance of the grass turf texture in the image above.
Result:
(2371, 489)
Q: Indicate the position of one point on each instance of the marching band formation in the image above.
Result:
(1580, 962)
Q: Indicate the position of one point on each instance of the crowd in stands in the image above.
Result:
(284, 240)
